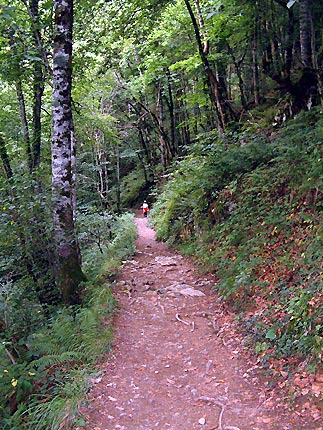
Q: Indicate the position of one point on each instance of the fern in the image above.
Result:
(60, 412)
(51, 360)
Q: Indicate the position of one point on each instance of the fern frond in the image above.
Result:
(55, 359)
(57, 414)
(62, 411)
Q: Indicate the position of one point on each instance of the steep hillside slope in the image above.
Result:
(249, 206)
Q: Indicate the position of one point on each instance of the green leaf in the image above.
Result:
(271, 334)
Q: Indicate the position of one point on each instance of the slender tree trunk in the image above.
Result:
(237, 67)
(34, 17)
(38, 85)
(117, 154)
(316, 66)
(219, 103)
(73, 170)
(305, 33)
(21, 102)
(69, 274)
(144, 145)
(171, 109)
(38, 80)
(256, 90)
(5, 159)
(164, 156)
(229, 74)
(143, 165)
(38, 94)
(308, 85)
(206, 42)
(255, 62)
(159, 127)
(24, 123)
(290, 44)
(101, 162)
(184, 116)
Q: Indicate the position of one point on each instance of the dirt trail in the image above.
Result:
(176, 364)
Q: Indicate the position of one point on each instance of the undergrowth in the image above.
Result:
(44, 387)
(250, 208)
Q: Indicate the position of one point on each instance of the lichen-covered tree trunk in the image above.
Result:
(69, 274)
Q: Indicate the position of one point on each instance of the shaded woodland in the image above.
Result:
(209, 109)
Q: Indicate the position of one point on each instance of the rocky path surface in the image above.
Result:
(176, 362)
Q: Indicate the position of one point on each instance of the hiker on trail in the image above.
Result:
(145, 208)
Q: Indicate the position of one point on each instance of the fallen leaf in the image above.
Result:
(317, 389)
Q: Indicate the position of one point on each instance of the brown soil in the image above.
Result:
(178, 359)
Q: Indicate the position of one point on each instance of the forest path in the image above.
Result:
(176, 362)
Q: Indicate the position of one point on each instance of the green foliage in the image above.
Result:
(27, 287)
(131, 187)
(200, 186)
(43, 386)
(112, 241)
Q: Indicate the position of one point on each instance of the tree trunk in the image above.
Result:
(184, 117)
(32, 10)
(305, 33)
(38, 85)
(206, 43)
(38, 94)
(69, 274)
(117, 155)
(144, 145)
(219, 103)
(159, 127)
(237, 67)
(171, 109)
(164, 156)
(5, 159)
(101, 161)
(255, 62)
(316, 65)
(38, 80)
(73, 170)
(21, 102)
(24, 123)
(290, 44)
(307, 90)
